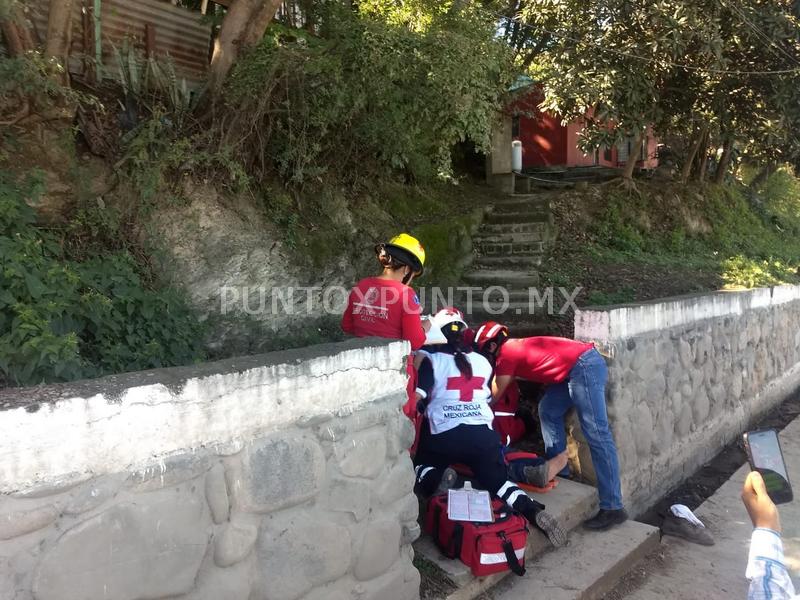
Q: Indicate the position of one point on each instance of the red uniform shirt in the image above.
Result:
(384, 308)
(541, 359)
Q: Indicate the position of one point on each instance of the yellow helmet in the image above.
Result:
(407, 249)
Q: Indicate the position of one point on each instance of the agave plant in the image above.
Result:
(150, 83)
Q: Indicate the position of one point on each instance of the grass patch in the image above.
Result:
(622, 296)
(333, 224)
(751, 239)
(670, 239)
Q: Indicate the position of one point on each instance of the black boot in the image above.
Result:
(605, 519)
(547, 524)
(550, 526)
(536, 475)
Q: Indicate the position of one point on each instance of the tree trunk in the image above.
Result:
(310, 18)
(627, 173)
(17, 35)
(701, 160)
(12, 38)
(686, 171)
(259, 23)
(764, 174)
(724, 160)
(243, 26)
(59, 32)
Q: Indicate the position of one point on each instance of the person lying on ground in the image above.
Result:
(453, 386)
(576, 375)
(766, 566)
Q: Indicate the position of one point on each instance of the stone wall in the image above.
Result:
(273, 477)
(688, 375)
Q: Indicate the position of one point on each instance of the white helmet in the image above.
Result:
(448, 315)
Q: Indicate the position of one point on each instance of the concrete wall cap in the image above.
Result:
(612, 323)
(128, 421)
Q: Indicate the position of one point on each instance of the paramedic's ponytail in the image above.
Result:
(463, 364)
(458, 346)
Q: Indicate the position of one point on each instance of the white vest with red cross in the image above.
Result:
(456, 400)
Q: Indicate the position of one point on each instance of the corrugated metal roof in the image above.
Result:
(179, 34)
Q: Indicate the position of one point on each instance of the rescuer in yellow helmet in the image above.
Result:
(386, 306)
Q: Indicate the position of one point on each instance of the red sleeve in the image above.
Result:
(412, 324)
(347, 317)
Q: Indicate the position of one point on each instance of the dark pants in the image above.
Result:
(480, 449)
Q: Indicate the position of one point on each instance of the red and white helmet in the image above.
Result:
(489, 332)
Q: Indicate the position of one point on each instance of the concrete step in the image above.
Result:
(492, 294)
(526, 203)
(526, 197)
(571, 503)
(510, 278)
(522, 261)
(494, 310)
(540, 229)
(501, 236)
(492, 248)
(518, 217)
(586, 569)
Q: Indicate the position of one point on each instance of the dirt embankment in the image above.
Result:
(581, 256)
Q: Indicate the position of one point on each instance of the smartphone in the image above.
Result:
(765, 456)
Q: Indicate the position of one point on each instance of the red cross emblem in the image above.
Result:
(466, 387)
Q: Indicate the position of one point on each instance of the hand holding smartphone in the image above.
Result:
(765, 456)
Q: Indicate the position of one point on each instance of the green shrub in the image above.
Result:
(62, 320)
(781, 196)
(752, 240)
(448, 245)
(617, 227)
(741, 271)
(31, 76)
(601, 298)
(367, 94)
(164, 143)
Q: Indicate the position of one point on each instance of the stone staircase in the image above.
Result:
(587, 568)
(510, 246)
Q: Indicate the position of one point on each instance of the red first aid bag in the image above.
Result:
(486, 548)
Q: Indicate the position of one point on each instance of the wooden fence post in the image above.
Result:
(150, 40)
(87, 22)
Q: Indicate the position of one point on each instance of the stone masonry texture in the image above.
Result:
(317, 505)
(688, 375)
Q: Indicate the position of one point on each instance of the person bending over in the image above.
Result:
(453, 386)
(576, 376)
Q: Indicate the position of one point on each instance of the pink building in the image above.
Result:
(548, 143)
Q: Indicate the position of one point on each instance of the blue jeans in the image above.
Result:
(585, 389)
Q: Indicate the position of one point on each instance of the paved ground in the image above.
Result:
(691, 572)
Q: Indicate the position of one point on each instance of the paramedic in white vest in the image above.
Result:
(453, 386)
